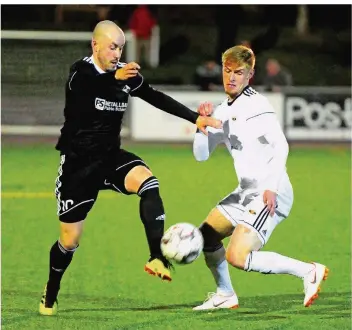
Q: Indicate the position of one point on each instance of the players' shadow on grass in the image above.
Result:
(330, 301)
(328, 304)
(337, 316)
(120, 303)
(117, 303)
(136, 309)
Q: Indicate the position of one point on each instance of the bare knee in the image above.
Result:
(242, 242)
(237, 257)
(135, 178)
(70, 234)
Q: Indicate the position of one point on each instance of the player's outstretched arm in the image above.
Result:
(168, 104)
(205, 144)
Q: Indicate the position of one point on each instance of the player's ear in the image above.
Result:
(251, 73)
(94, 45)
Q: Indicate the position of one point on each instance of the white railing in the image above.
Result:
(131, 42)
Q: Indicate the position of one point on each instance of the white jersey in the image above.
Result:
(254, 139)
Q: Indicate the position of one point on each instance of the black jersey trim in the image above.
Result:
(263, 113)
(248, 91)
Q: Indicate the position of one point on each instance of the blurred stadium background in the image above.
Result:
(312, 43)
(314, 48)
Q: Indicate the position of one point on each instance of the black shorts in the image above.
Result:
(80, 179)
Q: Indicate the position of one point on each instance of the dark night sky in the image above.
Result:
(335, 16)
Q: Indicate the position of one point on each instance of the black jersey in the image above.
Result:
(95, 104)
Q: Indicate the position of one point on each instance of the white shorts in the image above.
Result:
(246, 207)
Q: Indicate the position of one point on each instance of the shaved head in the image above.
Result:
(108, 41)
(107, 29)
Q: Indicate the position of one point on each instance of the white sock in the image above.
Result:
(218, 265)
(274, 263)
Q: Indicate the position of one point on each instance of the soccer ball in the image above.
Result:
(182, 243)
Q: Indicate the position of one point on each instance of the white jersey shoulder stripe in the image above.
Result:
(88, 59)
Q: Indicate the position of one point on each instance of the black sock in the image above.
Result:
(152, 214)
(60, 258)
(212, 239)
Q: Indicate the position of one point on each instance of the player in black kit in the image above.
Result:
(97, 92)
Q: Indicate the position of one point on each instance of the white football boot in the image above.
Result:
(217, 301)
(312, 283)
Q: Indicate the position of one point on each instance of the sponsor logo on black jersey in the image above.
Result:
(105, 105)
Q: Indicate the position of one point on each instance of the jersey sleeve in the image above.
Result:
(277, 166)
(135, 83)
(258, 121)
(158, 99)
(204, 145)
(268, 130)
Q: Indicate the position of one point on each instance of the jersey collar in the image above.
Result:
(96, 66)
(231, 102)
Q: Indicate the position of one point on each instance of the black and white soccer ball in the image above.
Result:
(182, 243)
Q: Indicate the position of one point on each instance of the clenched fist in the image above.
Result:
(202, 123)
(205, 109)
(130, 70)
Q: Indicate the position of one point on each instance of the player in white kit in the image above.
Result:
(264, 196)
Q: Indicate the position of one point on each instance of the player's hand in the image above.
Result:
(205, 109)
(269, 198)
(202, 123)
(130, 70)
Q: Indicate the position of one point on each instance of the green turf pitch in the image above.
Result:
(106, 287)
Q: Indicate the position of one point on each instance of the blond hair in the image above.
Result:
(241, 55)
